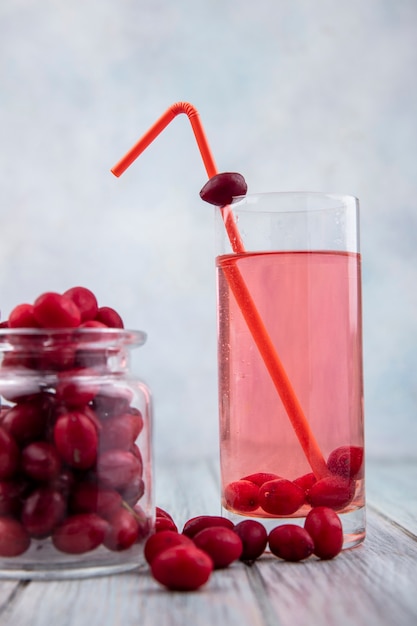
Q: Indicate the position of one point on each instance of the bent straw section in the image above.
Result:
(240, 291)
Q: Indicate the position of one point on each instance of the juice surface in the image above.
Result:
(310, 303)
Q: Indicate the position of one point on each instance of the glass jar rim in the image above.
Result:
(100, 337)
(333, 200)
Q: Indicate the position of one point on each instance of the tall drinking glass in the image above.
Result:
(300, 279)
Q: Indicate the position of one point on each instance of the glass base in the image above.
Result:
(97, 563)
(353, 523)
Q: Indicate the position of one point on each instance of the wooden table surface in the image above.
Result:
(375, 583)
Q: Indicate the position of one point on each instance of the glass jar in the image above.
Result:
(76, 493)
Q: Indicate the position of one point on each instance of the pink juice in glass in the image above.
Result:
(310, 303)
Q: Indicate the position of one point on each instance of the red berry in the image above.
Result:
(85, 300)
(133, 491)
(89, 498)
(281, 497)
(305, 482)
(325, 529)
(108, 316)
(22, 316)
(80, 533)
(223, 545)
(123, 531)
(346, 461)
(76, 440)
(112, 401)
(290, 542)
(163, 523)
(52, 310)
(196, 524)
(42, 511)
(77, 387)
(119, 432)
(242, 495)
(334, 492)
(116, 469)
(41, 461)
(9, 455)
(163, 540)
(222, 188)
(254, 539)
(182, 568)
(14, 539)
(27, 420)
(260, 478)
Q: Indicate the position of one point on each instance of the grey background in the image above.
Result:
(295, 95)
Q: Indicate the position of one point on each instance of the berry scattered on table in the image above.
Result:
(325, 528)
(223, 545)
(196, 524)
(290, 542)
(182, 568)
(254, 539)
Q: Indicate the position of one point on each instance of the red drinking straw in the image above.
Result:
(238, 286)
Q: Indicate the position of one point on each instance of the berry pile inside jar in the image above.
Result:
(71, 470)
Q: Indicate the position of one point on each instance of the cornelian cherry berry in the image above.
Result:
(108, 316)
(22, 316)
(281, 497)
(26, 421)
(182, 568)
(42, 511)
(162, 541)
(196, 524)
(346, 461)
(242, 495)
(222, 188)
(85, 300)
(334, 492)
(77, 387)
(53, 310)
(222, 544)
(325, 528)
(14, 538)
(117, 469)
(40, 461)
(261, 477)
(290, 542)
(305, 482)
(90, 498)
(254, 539)
(122, 532)
(80, 533)
(76, 439)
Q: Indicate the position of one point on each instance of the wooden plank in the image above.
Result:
(391, 487)
(373, 584)
(129, 599)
